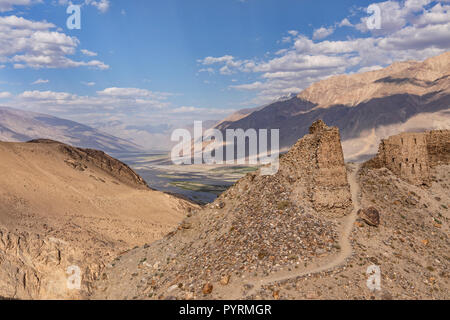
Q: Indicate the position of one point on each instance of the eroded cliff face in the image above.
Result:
(38, 267)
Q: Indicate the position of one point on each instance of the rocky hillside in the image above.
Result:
(366, 107)
(20, 126)
(62, 206)
(308, 232)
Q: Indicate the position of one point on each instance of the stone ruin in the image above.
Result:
(318, 161)
(410, 156)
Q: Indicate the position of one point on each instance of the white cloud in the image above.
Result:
(33, 44)
(89, 84)
(101, 5)
(214, 60)
(41, 81)
(5, 95)
(107, 100)
(132, 93)
(88, 53)
(345, 23)
(322, 33)
(8, 5)
(208, 70)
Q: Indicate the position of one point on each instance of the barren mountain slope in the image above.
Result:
(299, 234)
(62, 206)
(410, 77)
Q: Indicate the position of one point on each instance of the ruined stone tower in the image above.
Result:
(318, 160)
(406, 156)
(438, 147)
(411, 155)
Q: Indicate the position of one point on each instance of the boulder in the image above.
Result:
(370, 215)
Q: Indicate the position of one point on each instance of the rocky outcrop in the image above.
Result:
(79, 158)
(35, 267)
(411, 155)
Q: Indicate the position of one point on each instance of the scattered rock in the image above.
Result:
(225, 280)
(207, 288)
(172, 288)
(371, 216)
(276, 295)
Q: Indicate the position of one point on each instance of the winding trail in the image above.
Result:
(234, 290)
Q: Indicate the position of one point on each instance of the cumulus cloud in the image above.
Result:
(101, 5)
(322, 32)
(410, 30)
(34, 44)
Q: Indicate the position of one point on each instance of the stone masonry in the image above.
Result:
(411, 155)
(318, 161)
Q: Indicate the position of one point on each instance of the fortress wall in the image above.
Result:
(406, 155)
(411, 155)
(438, 147)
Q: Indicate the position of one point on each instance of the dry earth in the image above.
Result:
(264, 239)
(62, 206)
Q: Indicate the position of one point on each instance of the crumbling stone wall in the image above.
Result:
(438, 147)
(331, 190)
(317, 161)
(411, 155)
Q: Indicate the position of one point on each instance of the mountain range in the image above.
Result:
(19, 126)
(406, 96)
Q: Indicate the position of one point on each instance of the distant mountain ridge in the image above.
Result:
(406, 96)
(20, 126)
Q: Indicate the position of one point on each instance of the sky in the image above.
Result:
(140, 68)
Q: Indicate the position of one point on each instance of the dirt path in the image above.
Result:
(233, 291)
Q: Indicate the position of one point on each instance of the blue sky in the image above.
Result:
(141, 63)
